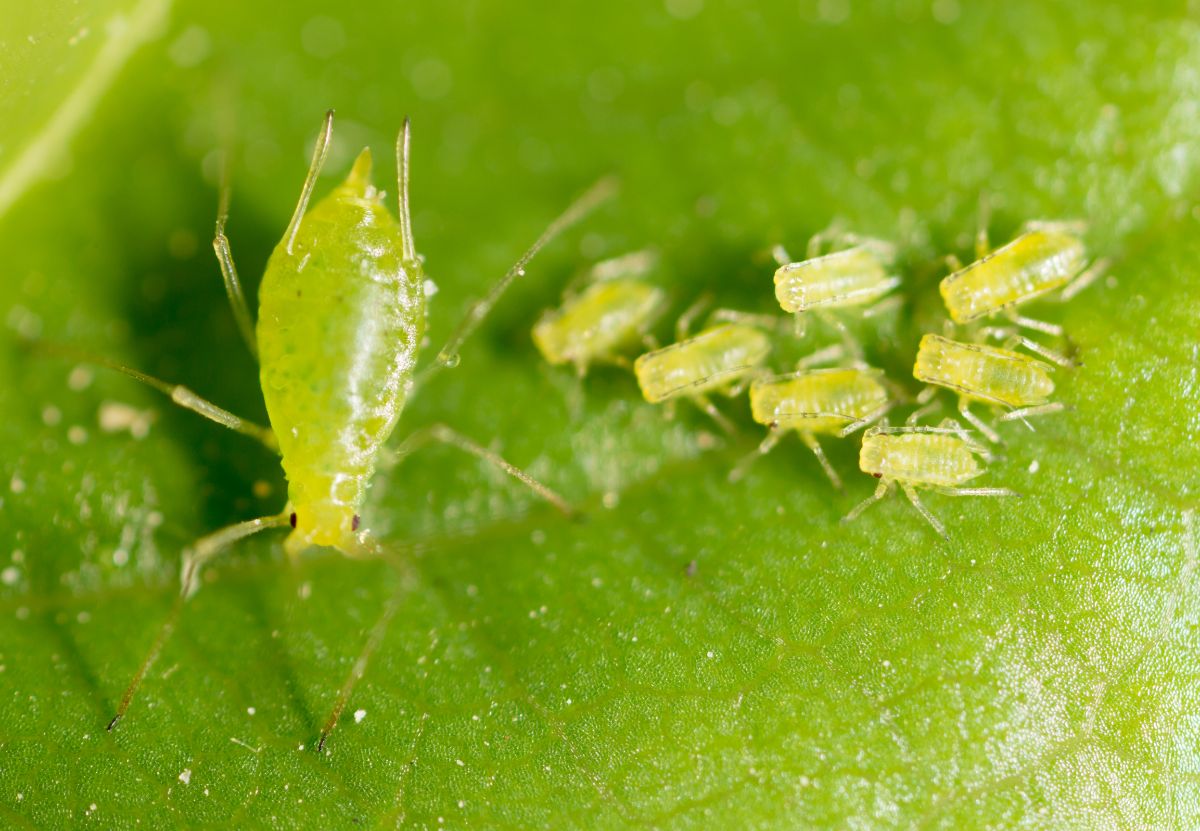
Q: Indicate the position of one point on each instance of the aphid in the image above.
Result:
(1044, 257)
(857, 276)
(721, 359)
(936, 458)
(608, 318)
(831, 402)
(988, 374)
(341, 319)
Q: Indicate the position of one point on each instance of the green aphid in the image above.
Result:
(342, 310)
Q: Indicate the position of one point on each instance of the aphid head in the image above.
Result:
(324, 523)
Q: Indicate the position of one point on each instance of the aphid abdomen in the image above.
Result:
(855, 276)
(714, 359)
(1034, 263)
(983, 373)
(920, 458)
(607, 318)
(340, 321)
(820, 401)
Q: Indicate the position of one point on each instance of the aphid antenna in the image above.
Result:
(736, 371)
(320, 152)
(448, 356)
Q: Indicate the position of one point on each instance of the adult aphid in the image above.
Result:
(1044, 257)
(611, 315)
(721, 358)
(341, 320)
(999, 377)
(830, 402)
(942, 459)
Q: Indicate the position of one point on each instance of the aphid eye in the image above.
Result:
(292, 519)
(877, 475)
(354, 523)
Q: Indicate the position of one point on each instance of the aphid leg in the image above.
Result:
(780, 255)
(799, 325)
(964, 409)
(762, 321)
(1028, 412)
(815, 446)
(178, 393)
(1042, 326)
(828, 355)
(683, 326)
(911, 493)
(703, 402)
(633, 264)
(884, 306)
(359, 668)
(203, 550)
(233, 286)
(1075, 227)
(320, 151)
(978, 492)
(931, 404)
(881, 490)
(953, 263)
(441, 433)
(1033, 346)
(765, 446)
(448, 355)
(851, 343)
(983, 244)
(705, 405)
(1089, 276)
(817, 242)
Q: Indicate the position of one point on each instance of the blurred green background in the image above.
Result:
(1037, 671)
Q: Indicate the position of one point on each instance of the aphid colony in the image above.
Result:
(844, 274)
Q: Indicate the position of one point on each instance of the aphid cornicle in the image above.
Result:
(1044, 257)
(608, 318)
(999, 377)
(720, 359)
(341, 320)
(937, 458)
(831, 402)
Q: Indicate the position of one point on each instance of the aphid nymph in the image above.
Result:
(341, 320)
(831, 402)
(603, 322)
(857, 275)
(998, 377)
(1044, 257)
(942, 459)
(720, 359)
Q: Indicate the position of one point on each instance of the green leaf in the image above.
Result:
(691, 653)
